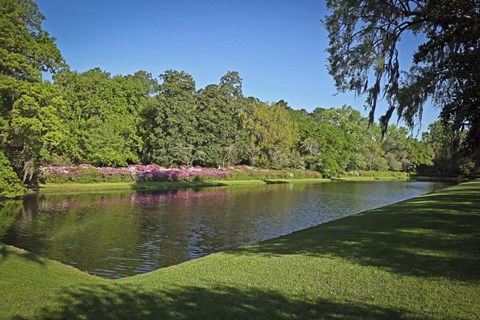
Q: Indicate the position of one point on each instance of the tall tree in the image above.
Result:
(222, 139)
(103, 115)
(25, 48)
(29, 109)
(395, 147)
(273, 134)
(446, 145)
(364, 57)
(169, 121)
(36, 130)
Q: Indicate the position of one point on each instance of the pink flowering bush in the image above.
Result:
(85, 173)
(149, 173)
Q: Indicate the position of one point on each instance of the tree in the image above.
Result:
(36, 130)
(170, 122)
(364, 57)
(445, 145)
(220, 112)
(310, 150)
(25, 49)
(103, 115)
(216, 125)
(420, 154)
(395, 147)
(29, 109)
(273, 133)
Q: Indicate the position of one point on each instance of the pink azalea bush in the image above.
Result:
(85, 173)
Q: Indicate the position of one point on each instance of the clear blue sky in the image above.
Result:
(277, 46)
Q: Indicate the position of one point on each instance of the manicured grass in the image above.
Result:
(419, 259)
(406, 178)
(156, 185)
(376, 176)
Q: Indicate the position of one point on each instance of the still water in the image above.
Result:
(120, 234)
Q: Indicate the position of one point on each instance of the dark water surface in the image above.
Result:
(120, 234)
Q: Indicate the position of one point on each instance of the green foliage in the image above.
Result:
(10, 186)
(25, 49)
(170, 121)
(364, 58)
(222, 141)
(36, 130)
(30, 127)
(419, 153)
(335, 141)
(445, 145)
(272, 133)
(104, 115)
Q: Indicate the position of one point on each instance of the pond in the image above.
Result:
(120, 234)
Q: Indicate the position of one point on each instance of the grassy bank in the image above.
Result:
(168, 185)
(375, 176)
(419, 259)
(163, 185)
(406, 178)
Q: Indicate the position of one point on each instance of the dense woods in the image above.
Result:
(100, 119)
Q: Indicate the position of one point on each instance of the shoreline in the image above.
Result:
(172, 185)
(163, 185)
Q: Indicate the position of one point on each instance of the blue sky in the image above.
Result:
(277, 46)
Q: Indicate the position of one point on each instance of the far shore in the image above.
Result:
(163, 185)
(171, 185)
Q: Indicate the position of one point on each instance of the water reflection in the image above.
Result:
(125, 233)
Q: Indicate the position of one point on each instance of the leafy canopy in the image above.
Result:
(25, 48)
(364, 57)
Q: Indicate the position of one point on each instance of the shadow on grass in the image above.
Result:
(6, 252)
(434, 236)
(268, 181)
(130, 302)
(173, 185)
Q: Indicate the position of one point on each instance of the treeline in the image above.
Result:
(105, 120)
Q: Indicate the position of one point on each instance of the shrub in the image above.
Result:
(85, 173)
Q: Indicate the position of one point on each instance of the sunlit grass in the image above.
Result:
(164, 185)
(419, 259)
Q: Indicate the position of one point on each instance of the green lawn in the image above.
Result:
(156, 185)
(376, 176)
(419, 259)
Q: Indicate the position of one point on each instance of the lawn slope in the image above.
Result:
(418, 259)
